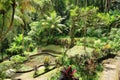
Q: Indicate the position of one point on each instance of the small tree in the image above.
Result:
(43, 30)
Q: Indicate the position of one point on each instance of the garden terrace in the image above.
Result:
(59, 39)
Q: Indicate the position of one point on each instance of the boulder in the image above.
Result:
(10, 73)
(78, 50)
(110, 71)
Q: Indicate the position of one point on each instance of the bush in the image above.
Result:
(14, 50)
(3, 67)
(114, 39)
(18, 59)
(29, 44)
(44, 30)
(46, 63)
(16, 46)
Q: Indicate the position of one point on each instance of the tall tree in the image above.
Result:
(4, 33)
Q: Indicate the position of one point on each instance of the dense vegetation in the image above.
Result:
(28, 26)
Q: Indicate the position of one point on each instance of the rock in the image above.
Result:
(78, 50)
(111, 70)
(10, 73)
(110, 66)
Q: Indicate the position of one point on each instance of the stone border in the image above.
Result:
(33, 69)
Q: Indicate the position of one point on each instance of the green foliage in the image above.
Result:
(83, 18)
(3, 67)
(14, 50)
(96, 25)
(18, 39)
(115, 39)
(6, 65)
(18, 59)
(20, 44)
(46, 62)
(29, 44)
(86, 66)
(56, 76)
(114, 13)
(45, 29)
(98, 44)
(105, 18)
(63, 60)
(5, 4)
(16, 47)
(43, 22)
(60, 7)
(40, 6)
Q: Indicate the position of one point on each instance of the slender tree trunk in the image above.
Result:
(11, 23)
(85, 37)
(1, 52)
(107, 5)
(77, 3)
(85, 29)
(3, 24)
(72, 34)
(3, 21)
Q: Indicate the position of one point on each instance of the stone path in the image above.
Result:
(111, 69)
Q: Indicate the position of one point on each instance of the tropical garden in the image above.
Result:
(57, 39)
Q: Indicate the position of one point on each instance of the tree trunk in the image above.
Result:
(11, 23)
(107, 5)
(72, 34)
(1, 52)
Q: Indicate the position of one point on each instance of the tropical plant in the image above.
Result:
(16, 46)
(68, 74)
(45, 29)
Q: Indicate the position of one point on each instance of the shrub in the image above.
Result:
(114, 39)
(46, 62)
(14, 50)
(18, 59)
(16, 46)
(44, 30)
(29, 44)
(3, 67)
(68, 74)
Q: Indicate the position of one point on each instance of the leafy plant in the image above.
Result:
(68, 74)
(14, 50)
(114, 39)
(18, 59)
(46, 62)
(45, 29)
(3, 67)
(16, 46)
(29, 44)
